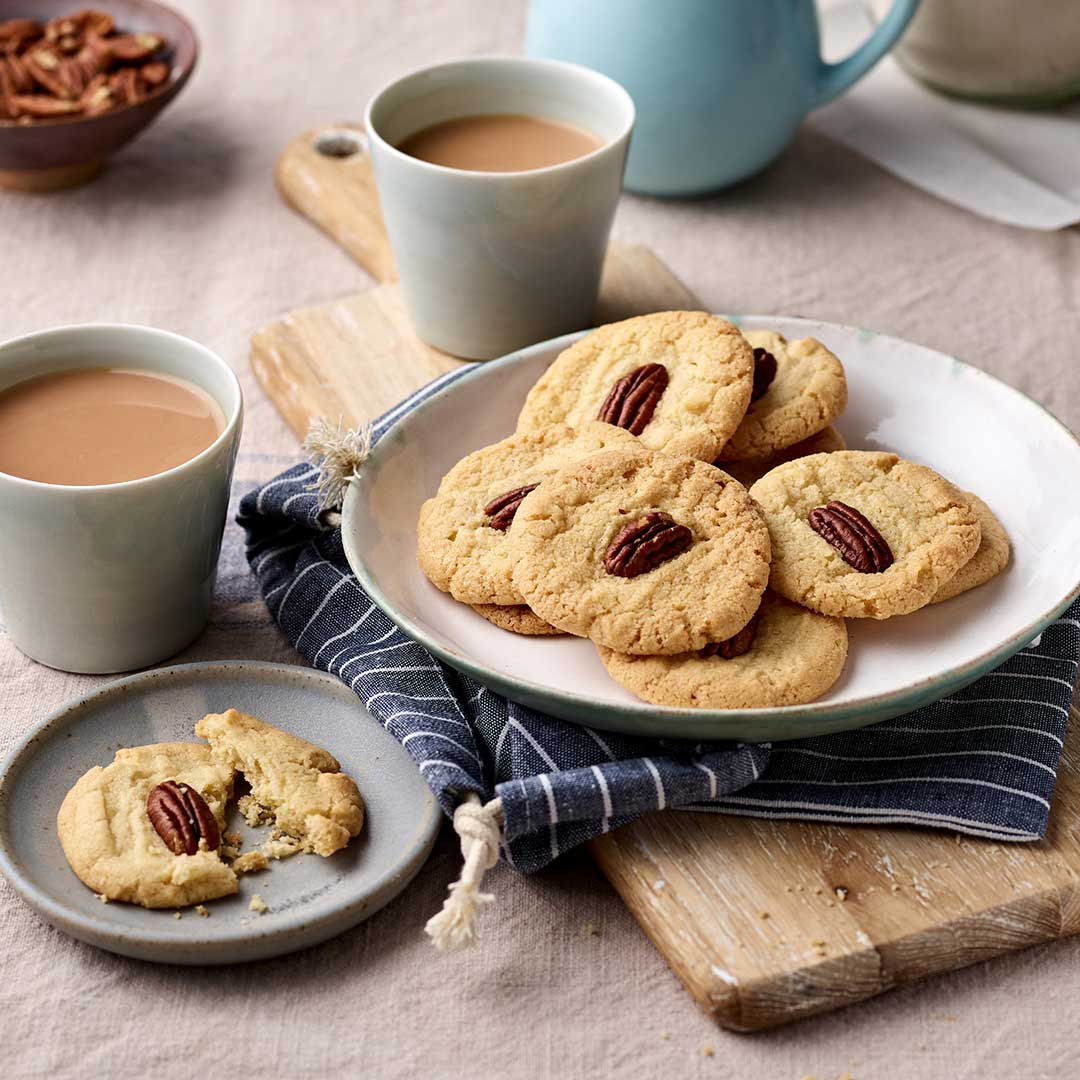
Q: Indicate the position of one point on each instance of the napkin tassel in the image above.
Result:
(480, 827)
(337, 452)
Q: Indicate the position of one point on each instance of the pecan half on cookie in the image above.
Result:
(860, 544)
(644, 544)
(181, 818)
(633, 398)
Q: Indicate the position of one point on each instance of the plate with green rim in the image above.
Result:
(309, 898)
(921, 404)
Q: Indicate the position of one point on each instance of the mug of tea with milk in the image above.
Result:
(719, 85)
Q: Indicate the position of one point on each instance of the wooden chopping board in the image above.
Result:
(764, 921)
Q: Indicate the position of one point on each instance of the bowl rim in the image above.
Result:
(832, 716)
(169, 87)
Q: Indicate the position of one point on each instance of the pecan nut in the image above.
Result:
(181, 818)
(502, 510)
(75, 64)
(642, 545)
(735, 645)
(633, 399)
(860, 544)
(764, 373)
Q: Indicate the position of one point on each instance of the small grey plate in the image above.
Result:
(310, 898)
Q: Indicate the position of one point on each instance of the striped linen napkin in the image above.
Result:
(528, 786)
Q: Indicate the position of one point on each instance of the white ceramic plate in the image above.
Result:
(309, 898)
(977, 431)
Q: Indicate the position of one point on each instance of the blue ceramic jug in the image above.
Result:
(719, 85)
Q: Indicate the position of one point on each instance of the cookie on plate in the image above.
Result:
(679, 380)
(864, 534)
(461, 537)
(517, 618)
(785, 655)
(644, 553)
(293, 782)
(113, 846)
(988, 561)
(749, 473)
(799, 389)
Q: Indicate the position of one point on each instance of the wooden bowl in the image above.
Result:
(46, 155)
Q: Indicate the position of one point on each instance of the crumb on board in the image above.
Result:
(202, 911)
(257, 904)
(234, 838)
(589, 930)
(841, 893)
(665, 1036)
(102, 897)
(251, 862)
(177, 915)
(762, 914)
(708, 1051)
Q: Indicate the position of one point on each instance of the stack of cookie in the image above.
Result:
(676, 493)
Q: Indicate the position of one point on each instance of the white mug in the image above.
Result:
(490, 262)
(113, 577)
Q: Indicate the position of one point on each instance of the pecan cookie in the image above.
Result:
(991, 558)
(146, 828)
(679, 380)
(461, 538)
(295, 784)
(864, 534)
(799, 389)
(644, 553)
(517, 618)
(749, 473)
(785, 655)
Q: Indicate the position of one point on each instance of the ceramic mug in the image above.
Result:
(1017, 52)
(492, 261)
(113, 577)
(719, 85)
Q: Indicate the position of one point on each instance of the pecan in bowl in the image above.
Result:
(76, 87)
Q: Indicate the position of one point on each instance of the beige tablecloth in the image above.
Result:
(185, 231)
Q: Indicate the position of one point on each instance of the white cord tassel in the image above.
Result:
(479, 826)
(338, 452)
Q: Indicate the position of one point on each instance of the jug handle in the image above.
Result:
(834, 79)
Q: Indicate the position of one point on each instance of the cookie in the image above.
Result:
(787, 655)
(864, 534)
(297, 783)
(749, 473)
(517, 618)
(460, 546)
(111, 843)
(644, 553)
(679, 380)
(988, 561)
(799, 389)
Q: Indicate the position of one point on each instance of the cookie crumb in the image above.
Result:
(763, 915)
(103, 898)
(841, 893)
(589, 930)
(818, 891)
(280, 846)
(202, 911)
(234, 838)
(257, 904)
(177, 915)
(708, 1051)
(665, 1036)
(251, 862)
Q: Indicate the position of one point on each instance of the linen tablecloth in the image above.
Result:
(186, 231)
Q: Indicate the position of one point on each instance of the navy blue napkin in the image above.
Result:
(981, 761)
